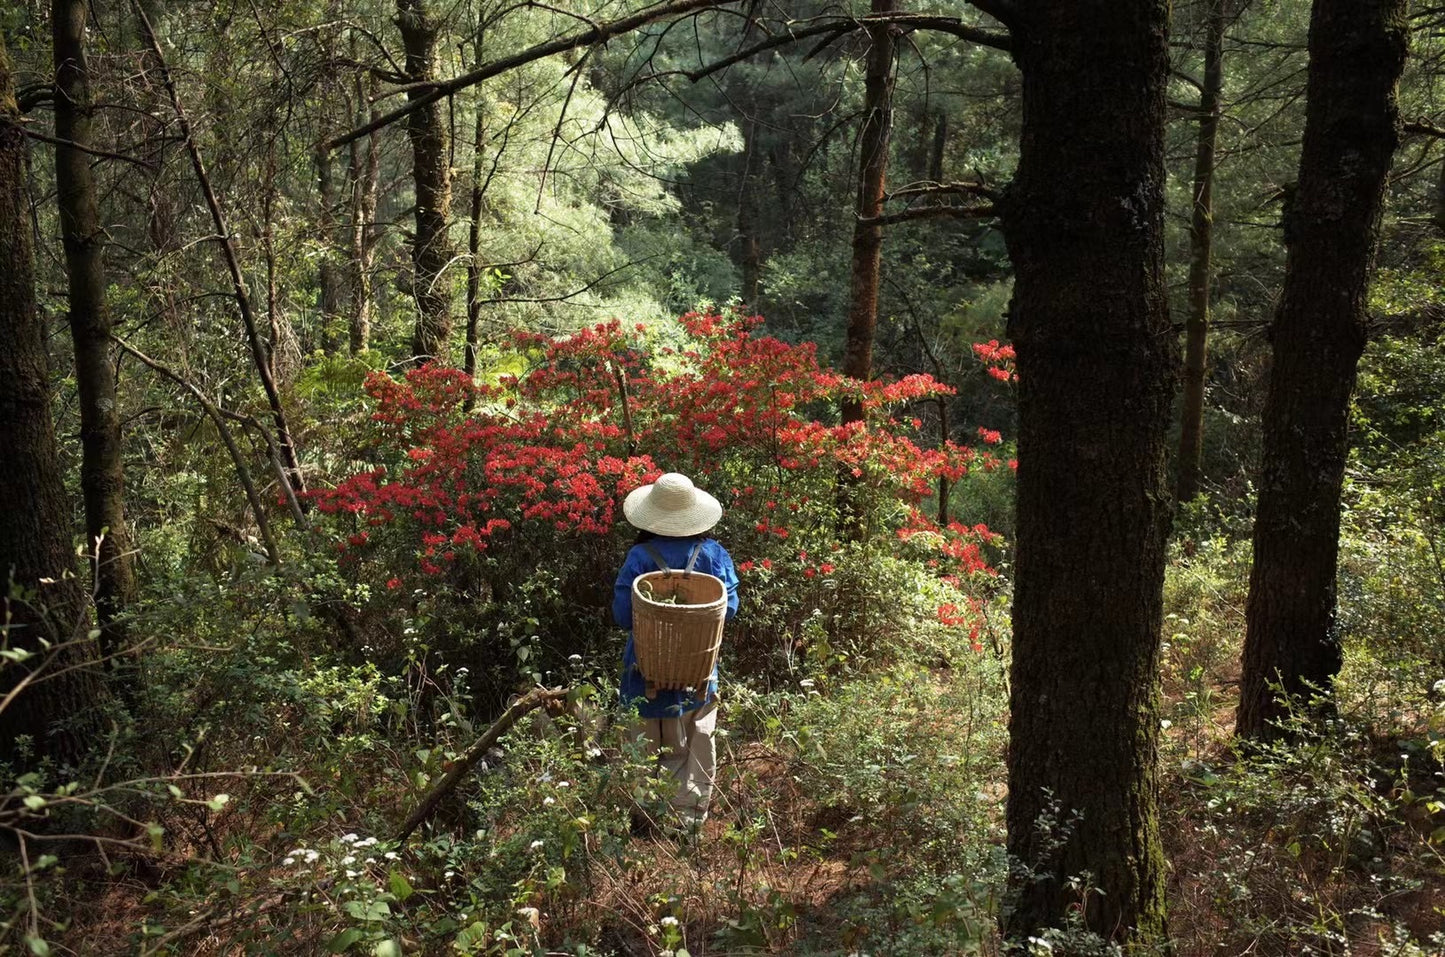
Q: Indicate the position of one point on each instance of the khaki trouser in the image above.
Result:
(686, 750)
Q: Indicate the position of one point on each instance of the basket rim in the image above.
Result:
(638, 595)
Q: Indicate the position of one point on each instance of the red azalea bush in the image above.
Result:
(493, 527)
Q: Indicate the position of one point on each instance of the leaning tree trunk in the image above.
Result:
(35, 520)
(1357, 50)
(1097, 363)
(260, 354)
(102, 477)
(431, 174)
(1201, 254)
(868, 234)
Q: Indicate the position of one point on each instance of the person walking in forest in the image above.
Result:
(672, 517)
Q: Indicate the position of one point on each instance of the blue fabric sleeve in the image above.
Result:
(622, 590)
(724, 569)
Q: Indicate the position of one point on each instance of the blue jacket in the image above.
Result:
(712, 559)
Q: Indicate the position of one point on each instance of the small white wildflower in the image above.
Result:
(595, 752)
(348, 859)
(574, 658)
(1165, 724)
(535, 845)
(353, 874)
(390, 855)
(349, 838)
(288, 862)
(806, 683)
(450, 874)
(564, 784)
(548, 801)
(366, 842)
(669, 921)
(311, 856)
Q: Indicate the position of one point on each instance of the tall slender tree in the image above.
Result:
(1357, 50)
(1201, 254)
(45, 696)
(867, 261)
(1097, 362)
(102, 475)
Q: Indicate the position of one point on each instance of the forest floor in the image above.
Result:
(1292, 854)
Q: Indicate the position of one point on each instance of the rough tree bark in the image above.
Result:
(35, 536)
(1357, 50)
(431, 174)
(1097, 363)
(868, 235)
(102, 475)
(1201, 254)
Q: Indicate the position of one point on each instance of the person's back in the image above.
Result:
(673, 517)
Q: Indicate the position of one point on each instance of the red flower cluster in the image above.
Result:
(550, 452)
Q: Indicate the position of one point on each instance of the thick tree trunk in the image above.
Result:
(431, 174)
(1097, 364)
(364, 173)
(102, 476)
(868, 236)
(35, 526)
(1201, 254)
(1357, 50)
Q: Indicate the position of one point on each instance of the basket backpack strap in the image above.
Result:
(658, 560)
(692, 560)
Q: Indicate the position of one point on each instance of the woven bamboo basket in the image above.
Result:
(677, 644)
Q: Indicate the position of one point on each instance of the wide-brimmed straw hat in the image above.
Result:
(672, 506)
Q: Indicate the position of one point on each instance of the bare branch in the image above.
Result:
(931, 212)
(913, 190)
(598, 33)
(1424, 128)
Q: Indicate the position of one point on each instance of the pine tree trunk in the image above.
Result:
(328, 275)
(102, 476)
(35, 522)
(1357, 50)
(1097, 364)
(431, 248)
(1201, 253)
(867, 236)
(364, 174)
(751, 253)
(474, 244)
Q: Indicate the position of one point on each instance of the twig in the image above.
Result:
(529, 701)
(243, 472)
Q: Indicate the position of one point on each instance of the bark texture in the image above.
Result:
(1201, 258)
(431, 174)
(1357, 50)
(1097, 364)
(102, 475)
(35, 522)
(364, 174)
(872, 180)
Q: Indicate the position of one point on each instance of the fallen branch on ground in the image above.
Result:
(528, 702)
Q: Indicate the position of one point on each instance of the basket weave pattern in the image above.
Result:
(677, 644)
